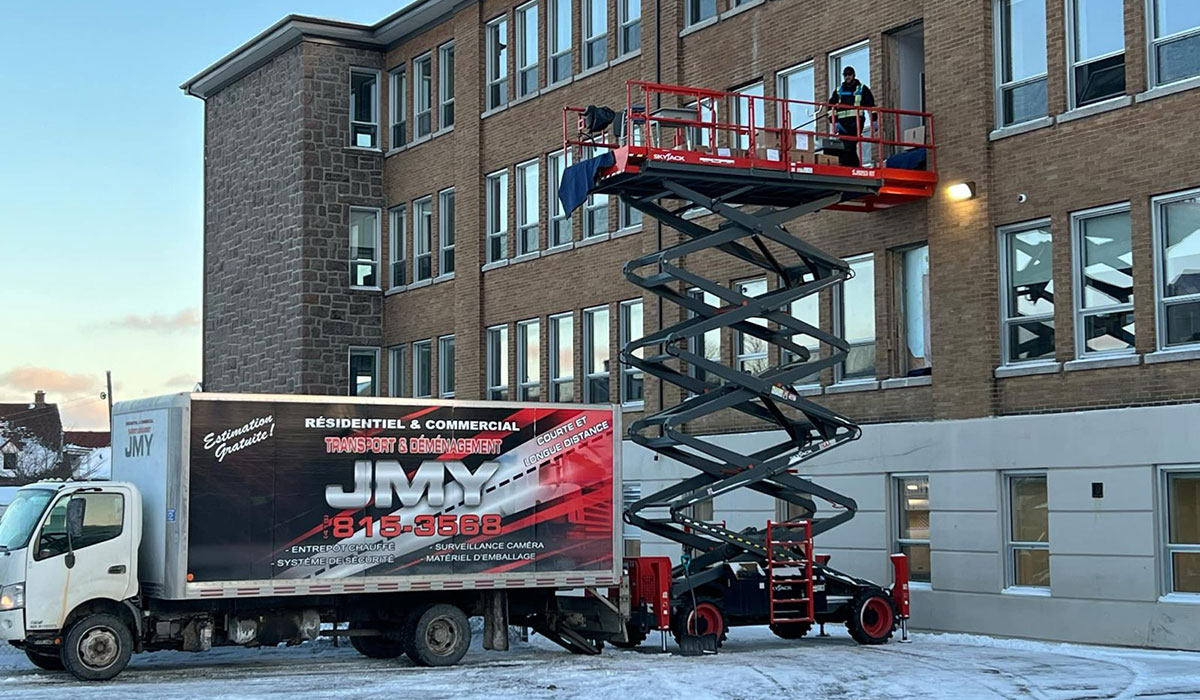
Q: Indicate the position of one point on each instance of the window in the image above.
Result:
(497, 63)
(497, 216)
(630, 218)
(423, 96)
(1177, 246)
(1175, 41)
(1095, 50)
(446, 232)
(1103, 281)
(595, 355)
(364, 248)
(397, 220)
(103, 520)
(560, 222)
(364, 371)
(1027, 281)
(595, 33)
(699, 10)
(446, 86)
(396, 371)
(706, 112)
(798, 84)
(497, 363)
(751, 350)
(527, 208)
(1020, 61)
(364, 108)
(398, 92)
(1183, 531)
(708, 343)
(529, 354)
(632, 328)
(745, 107)
(629, 16)
(913, 323)
(562, 357)
(631, 492)
(1028, 531)
(854, 316)
(422, 369)
(595, 210)
(912, 526)
(527, 49)
(559, 33)
(857, 57)
(807, 310)
(423, 239)
(446, 367)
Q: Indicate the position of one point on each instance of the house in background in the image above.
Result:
(88, 452)
(31, 442)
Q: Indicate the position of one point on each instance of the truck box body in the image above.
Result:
(255, 495)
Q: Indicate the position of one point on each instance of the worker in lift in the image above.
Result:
(851, 121)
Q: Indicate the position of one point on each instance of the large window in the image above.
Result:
(708, 343)
(1103, 281)
(562, 357)
(629, 17)
(364, 371)
(798, 84)
(752, 350)
(632, 328)
(1027, 283)
(807, 310)
(396, 371)
(397, 236)
(854, 318)
(422, 362)
(364, 108)
(1020, 60)
(497, 363)
(364, 248)
(527, 49)
(595, 210)
(423, 96)
(1175, 41)
(1028, 531)
(595, 33)
(595, 355)
(559, 34)
(699, 10)
(1096, 50)
(446, 86)
(913, 304)
(446, 232)
(497, 63)
(560, 221)
(529, 355)
(398, 93)
(446, 366)
(1182, 529)
(423, 239)
(497, 216)
(527, 208)
(857, 57)
(748, 110)
(630, 218)
(1177, 246)
(912, 526)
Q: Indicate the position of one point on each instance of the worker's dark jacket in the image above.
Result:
(852, 94)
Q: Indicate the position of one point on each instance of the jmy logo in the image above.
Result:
(139, 445)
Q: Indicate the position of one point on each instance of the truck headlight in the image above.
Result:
(12, 597)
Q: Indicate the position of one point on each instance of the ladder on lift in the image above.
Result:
(790, 572)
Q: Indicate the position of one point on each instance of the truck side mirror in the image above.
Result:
(75, 508)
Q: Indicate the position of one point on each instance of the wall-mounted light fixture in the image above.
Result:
(961, 191)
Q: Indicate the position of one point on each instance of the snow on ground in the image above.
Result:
(753, 665)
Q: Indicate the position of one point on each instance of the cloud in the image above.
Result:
(85, 415)
(29, 379)
(182, 382)
(161, 323)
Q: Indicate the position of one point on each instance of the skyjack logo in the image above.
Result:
(670, 157)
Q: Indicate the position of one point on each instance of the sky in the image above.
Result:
(101, 187)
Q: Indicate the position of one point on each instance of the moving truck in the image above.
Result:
(264, 520)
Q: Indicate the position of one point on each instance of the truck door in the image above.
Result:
(102, 559)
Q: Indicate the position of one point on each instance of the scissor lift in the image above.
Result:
(669, 155)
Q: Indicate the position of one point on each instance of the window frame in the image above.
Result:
(901, 315)
(356, 261)
(497, 385)
(446, 80)
(781, 92)
(1077, 281)
(398, 245)
(557, 222)
(1007, 320)
(1153, 43)
(689, 18)
(755, 112)
(553, 57)
(898, 541)
(524, 381)
(998, 60)
(588, 40)
(374, 124)
(813, 344)
(521, 16)
(397, 107)
(496, 218)
(426, 60)
(396, 370)
(445, 383)
(629, 373)
(554, 341)
(1159, 232)
(740, 356)
(362, 351)
(524, 226)
(1011, 545)
(587, 331)
(1167, 564)
(593, 206)
(624, 23)
(427, 344)
(491, 81)
(695, 342)
(839, 324)
(1074, 62)
(418, 254)
(445, 231)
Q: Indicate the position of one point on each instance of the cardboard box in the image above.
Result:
(824, 159)
(914, 135)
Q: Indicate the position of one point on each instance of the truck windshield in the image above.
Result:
(22, 516)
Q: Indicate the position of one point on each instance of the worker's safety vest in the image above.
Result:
(843, 94)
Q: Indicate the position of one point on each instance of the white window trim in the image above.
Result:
(489, 79)
(351, 387)
(523, 380)
(374, 109)
(1158, 224)
(834, 56)
(623, 23)
(754, 104)
(1152, 45)
(998, 68)
(520, 171)
(493, 370)
(781, 90)
(442, 378)
(740, 357)
(396, 370)
(585, 17)
(694, 344)
(378, 249)
(492, 232)
(1010, 545)
(814, 380)
(397, 244)
(623, 339)
(1077, 281)
(1165, 546)
(552, 20)
(1003, 233)
(897, 540)
(443, 98)
(1073, 62)
(586, 331)
(521, 16)
(553, 342)
(839, 327)
(689, 21)
(428, 343)
(425, 58)
(417, 254)
(444, 249)
(594, 204)
(552, 203)
(397, 113)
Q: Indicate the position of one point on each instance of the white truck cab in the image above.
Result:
(68, 571)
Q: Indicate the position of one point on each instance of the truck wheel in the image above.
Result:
(707, 618)
(440, 635)
(872, 617)
(97, 647)
(46, 662)
(791, 630)
(378, 647)
(636, 635)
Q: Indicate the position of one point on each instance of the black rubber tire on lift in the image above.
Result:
(97, 647)
(636, 635)
(710, 611)
(791, 630)
(46, 662)
(378, 647)
(872, 617)
(437, 635)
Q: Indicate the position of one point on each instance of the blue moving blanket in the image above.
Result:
(578, 180)
(909, 160)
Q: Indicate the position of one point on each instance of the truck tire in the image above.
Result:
(636, 635)
(437, 635)
(709, 614)
(872, 617)
(791, 630)
(97, 647)
(46, 662)
(378, 647)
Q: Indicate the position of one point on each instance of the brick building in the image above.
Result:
(379, 220)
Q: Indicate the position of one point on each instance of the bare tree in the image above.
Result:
(34, 459)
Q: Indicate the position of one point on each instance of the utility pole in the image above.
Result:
(108, 381)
